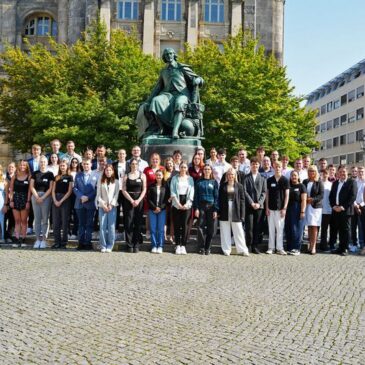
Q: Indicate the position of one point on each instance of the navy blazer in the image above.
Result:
(31, 164)
(94, 163)
(80, 189)
(255, 191)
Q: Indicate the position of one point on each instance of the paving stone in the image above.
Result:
(91, 308)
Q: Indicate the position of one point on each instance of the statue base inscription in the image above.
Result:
(165, 146)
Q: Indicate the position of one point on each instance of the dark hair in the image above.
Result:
(260, 149)
(221, 151)
(58, 159)
(78, 168)
(177, 152)
(106, 179)
(255, 160)
(163, 180)
(211, 171)
(342, 167)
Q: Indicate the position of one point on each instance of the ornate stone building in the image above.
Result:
(159, 23)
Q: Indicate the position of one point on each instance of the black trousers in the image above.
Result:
(340, 224)
(326, 220)
(61, 217)
(354, 238)
(73, 217)
(120, 205)
(205, 225)
(180, 219)
(9, 223)
(253, 226)
(133, 219)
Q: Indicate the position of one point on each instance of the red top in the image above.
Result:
(150, 175)
(196, 175)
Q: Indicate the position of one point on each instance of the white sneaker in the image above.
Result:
(159, 250)
(246, 254)
(108, 250)
(182, 250)
(225, 253)
(178, 250)
(43, 244)
(103, 250)
(269, 252)
(154, 250)
(281, 252)
(37, 244)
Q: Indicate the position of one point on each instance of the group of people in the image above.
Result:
(245, 198)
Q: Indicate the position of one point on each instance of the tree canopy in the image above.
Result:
(90, 93)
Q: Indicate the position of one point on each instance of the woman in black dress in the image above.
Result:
(134, 190)
(19, 195)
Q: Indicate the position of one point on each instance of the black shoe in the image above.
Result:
(56, 246)
(130, 249)
(135, 249)
(63, 246)
(207, 252)
(344, 253)
(256, 251)
(340, 252)
(202, 251)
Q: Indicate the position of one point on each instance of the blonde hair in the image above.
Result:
(1, 174)
(233, 171)
(314, 168)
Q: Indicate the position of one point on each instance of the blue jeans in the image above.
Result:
(107, 227)
(294, 227)
(157, 224)
(86, 220)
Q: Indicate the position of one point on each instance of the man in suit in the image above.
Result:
(255, 192)
(100, 155)
(85, 191)
(342, 198)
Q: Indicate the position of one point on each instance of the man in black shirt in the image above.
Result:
(277, 197)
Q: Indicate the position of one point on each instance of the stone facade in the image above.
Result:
(159, 23)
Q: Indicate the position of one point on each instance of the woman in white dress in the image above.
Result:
(313, 212)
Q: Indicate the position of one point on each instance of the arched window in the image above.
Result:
(40, 25)
(171, 10)
(214, 11)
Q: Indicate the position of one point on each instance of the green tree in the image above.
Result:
(248, 98)
(89, 92)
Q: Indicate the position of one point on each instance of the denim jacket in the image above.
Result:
(175, 191)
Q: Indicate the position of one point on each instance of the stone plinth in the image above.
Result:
(165, 146)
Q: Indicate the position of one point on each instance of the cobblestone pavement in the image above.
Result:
(91, 308)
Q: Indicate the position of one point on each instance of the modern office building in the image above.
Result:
(158, 23)
(340, 107)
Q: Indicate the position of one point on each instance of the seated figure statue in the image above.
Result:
(173, 108)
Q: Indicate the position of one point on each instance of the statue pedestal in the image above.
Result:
(165, 146)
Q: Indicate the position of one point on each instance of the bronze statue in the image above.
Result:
(173, 108)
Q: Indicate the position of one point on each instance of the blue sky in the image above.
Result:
(322, 39)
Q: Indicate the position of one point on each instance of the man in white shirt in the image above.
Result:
(221, 166)
(298, 167)
(136, 153)
(245, 165)
(70, 154)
